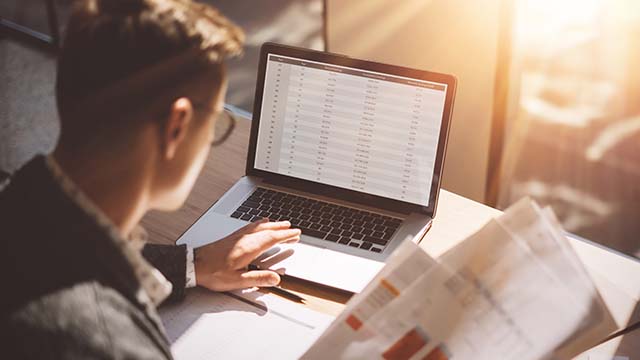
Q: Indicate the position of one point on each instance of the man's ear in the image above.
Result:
(176, 126)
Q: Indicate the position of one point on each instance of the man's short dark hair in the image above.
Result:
(163, 45)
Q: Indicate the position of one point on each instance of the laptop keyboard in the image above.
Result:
(322, 220)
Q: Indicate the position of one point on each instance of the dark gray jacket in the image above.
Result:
(68, 292)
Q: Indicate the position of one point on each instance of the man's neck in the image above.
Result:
(117, 185)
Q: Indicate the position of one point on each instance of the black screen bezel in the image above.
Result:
(334, 191)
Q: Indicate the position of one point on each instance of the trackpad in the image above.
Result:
(290, 258)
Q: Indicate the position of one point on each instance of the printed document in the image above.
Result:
(512, 290)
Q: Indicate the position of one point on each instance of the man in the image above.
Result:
(140, 88)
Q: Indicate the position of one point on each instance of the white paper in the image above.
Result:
(512, 290)
(208, 325)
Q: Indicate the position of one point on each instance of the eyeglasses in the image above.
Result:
(225, 123)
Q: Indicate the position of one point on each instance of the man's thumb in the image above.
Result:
(260, 278)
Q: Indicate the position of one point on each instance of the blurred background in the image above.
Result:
(548, 104)
(572, 136)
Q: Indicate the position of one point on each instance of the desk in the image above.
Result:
(616, 276)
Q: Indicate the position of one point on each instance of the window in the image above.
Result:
(572, 136)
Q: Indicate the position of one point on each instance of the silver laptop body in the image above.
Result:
(350, 151)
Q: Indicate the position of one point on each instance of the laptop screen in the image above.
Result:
(356, 129)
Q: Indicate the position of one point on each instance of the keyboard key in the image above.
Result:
(357, 229)
(305, 223)
(353, 244)
(325, 228)
(347, 233)
(326, 214)
(357, 236)
(344, 240)
(332, 237)
(264, 213)
(375, 240)
(377, 234)
(315, 226)
(365, 245)
(256, 218)
(243, 208)
(345, 227)
(394, 223)
(380, 228)
(375, 249)
(312, 232)
(246, 217)
(251, 204)
(325, 221)
(236, 214)
(336, 231)
(387, 235)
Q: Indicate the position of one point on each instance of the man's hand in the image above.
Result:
(222, 265)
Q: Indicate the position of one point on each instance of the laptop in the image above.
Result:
(350, 151)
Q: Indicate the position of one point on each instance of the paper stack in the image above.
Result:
(513, 290)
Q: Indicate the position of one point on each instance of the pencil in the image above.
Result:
(280, 291)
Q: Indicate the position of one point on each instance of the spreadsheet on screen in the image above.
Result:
(351, 128)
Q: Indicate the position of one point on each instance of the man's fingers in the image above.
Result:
(269, 238)
(258, 243)
(273, 225)
(249, 228)
(293, 240)
(260, 278)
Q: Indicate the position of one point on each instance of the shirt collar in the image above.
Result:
(155, 287)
